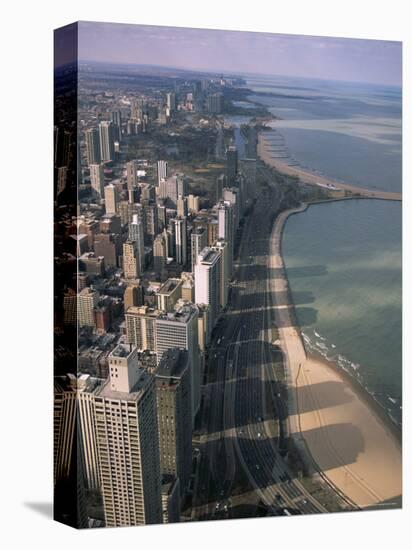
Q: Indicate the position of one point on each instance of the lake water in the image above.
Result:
(344, 258)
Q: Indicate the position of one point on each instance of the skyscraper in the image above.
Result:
(178, 329)
(231, 164)
(106, 135)
(131, 172)
(128, 443)
(93, 146)
(198, 243)
(225, 270)
(111, 199)
(131, 260)
(181, 206)
(207, 281)
(140, 327)
(162, 172)
(168, 294)
(171, 101)
(226, 227)
(215, 103)
(180, 239)
(173, 187)
(86, 302)
(151, 224)
(97, 178)
(133, 296)
(174, 406)
(159, 254)
(136, 235)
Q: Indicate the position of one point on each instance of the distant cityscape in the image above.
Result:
(173, 405)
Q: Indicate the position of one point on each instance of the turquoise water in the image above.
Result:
(344, 259)
(344, 266)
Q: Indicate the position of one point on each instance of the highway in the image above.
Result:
(241, 392)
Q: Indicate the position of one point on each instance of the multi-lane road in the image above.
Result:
(243, 417)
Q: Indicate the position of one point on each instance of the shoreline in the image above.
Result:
(357, 385)
(311, 178)
(350, 468)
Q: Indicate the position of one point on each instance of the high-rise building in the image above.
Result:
(106, 135)
(140, 327)
(109, 246)
(74, 402)
(111, 199)
(171, 101)
(181, 206)
(116, 119)
(231, 164)
(127, 209)
(133, 295)
(97, 178)
(151, 224)
(198, 243)
(226, 227)
(178, 329)
(136, 235)
(132, 267)
(159, 254)
(172, 187)
(162, 172)
(188, 286)
(131, 173)
(174, 407)
(193, 204)
(215, 103)
(207, 281)
(128, 444)
(168, 294)
(180, 239)
(87, 300)
(225, 270)
(232, 195)
(93, 146)
(220, 184)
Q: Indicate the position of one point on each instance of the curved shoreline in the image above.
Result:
(357, 385)
(315, 179)
(317, 425)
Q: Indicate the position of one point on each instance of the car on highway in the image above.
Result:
(259, 434)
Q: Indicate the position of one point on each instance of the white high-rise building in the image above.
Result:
(162, 172)
(207, 281)
(179, 329)
(128, 443)
(225, 226)
(97, 178)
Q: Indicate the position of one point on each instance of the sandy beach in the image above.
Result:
(332, 421)
(306, 176)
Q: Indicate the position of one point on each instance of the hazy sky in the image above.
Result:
(354, 60)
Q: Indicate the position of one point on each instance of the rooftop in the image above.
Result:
(169, 286)
(121, 350)
(172, 364)
(142, 384)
